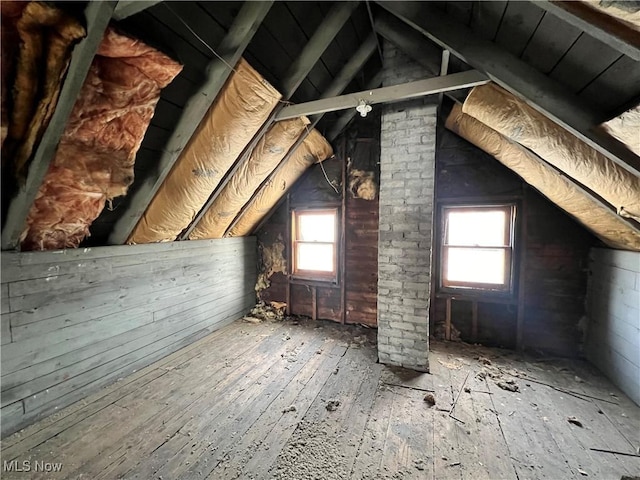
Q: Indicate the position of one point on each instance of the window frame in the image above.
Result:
(314, 275)
(509, 246)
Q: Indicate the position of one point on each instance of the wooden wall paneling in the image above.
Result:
(46, 388)
(519, 23)
(586, 59)
(551, 40)
(76, 338)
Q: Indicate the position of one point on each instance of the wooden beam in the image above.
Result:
(341, 123)
(392, 93)
(298, 71)
(126, 8)
(98, 15)
(230, 49)
(315, 47)
(339, 83)
(539, 91)
(597, 24)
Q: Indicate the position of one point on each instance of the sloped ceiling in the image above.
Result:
(577, 70)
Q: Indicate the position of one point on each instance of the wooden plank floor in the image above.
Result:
(305, 400)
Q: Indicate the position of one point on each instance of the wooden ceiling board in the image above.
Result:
(618, 86)
(486, 18)
(586, 59)
(520, 21)
(461, 11)
(549, 43)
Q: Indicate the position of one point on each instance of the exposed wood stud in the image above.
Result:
(393, 93)
(541, 92)
(231, 48)
(314, 302)
(474, 321)
(126, 8)
(97, 16)
(447, 320)
(522, 253)
(343, 236)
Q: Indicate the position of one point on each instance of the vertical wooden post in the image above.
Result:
(288, 253)
(343, 235)
(314, 303)
(447, 321)
(474, 321)
(522, 266)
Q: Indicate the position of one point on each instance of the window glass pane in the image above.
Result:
(477, 228)
(316, 227)
(318, 257)
(471, 265)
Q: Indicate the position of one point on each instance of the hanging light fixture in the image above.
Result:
(363, 108)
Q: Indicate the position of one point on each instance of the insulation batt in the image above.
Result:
(266, 156)
(514, 119)
(94, 161)
(600, 220)
(240, 109)
(46, 35)
(626, 128)
(313, 149)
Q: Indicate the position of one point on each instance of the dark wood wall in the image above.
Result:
(74, 321)
(353, 298)
(554, 259)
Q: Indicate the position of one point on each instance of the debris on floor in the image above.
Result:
(291, 408)
(430, 399)
(467, 389)
(509, 385)
(484, 360)
(575, 421)
(332, 405)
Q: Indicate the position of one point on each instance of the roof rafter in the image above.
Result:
(231, 49)
(298, 71)
(541, 92)
(98, 15)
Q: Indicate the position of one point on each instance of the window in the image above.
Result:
(315, 242)
(477, 247)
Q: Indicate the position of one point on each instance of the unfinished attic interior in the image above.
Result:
(324, 240)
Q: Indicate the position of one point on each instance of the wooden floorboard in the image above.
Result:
(296, 400)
